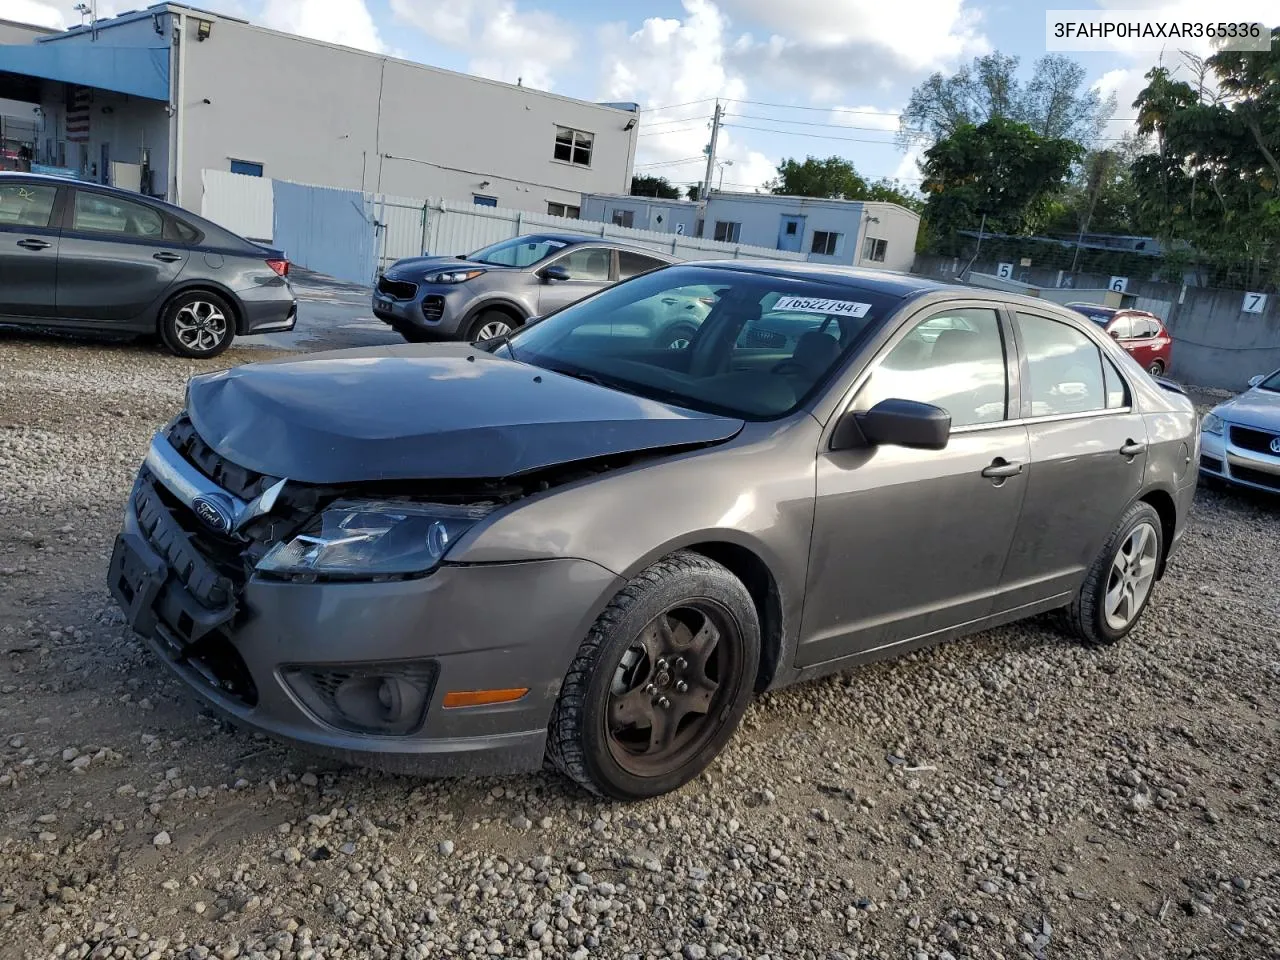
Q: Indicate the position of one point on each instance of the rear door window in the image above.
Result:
(1064, 367)
(26, 204)
(1122, 328)
(631, 263)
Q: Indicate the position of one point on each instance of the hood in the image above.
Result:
(425, 412)
(414, 268)
(1254, 408)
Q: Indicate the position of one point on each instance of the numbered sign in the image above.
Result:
(1118, 284)
(1254, 303)
(680, 229)
(1004, 271)
(1067, 282)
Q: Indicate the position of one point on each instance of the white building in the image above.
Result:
(150, 99)
(862, 233)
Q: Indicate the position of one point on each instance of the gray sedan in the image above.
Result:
(1242, 437)
(493, 291)
(81, 257)
(579, 544)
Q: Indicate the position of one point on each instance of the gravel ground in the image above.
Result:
(1010, 795)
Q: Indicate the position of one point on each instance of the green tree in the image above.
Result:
(646, 186)
(692, 193)
(834, 178)
(1056, 103)
(893, 192)
(1001, 170)
(1213, 182)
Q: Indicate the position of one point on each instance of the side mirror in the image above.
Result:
(531, 321)
(1254, 381)
(1115, 334)
(900, 423)
(554, 272)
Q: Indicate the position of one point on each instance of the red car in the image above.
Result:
(1142, 334)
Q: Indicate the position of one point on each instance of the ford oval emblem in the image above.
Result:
(1275, 445)
(212, 513)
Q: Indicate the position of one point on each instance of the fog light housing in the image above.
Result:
(386, 699)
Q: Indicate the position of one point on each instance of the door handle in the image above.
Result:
(166, 257)
(33, 244)
(1001, 469)
(1132, 448)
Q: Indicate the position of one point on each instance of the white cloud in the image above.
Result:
(508, 43)
(865, 118)
(35, 12)
(908, 169)
(347, 22)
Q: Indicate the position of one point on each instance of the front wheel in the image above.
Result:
(489, 325)
(660, 682)
(1118, 586)
(199, 325)
(676, 336)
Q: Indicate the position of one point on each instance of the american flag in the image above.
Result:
(78, 115)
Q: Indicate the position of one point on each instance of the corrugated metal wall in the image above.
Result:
(244, 205)
(328, 231)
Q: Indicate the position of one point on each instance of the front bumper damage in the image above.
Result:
(277, 655)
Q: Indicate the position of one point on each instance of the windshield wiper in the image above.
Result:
(580, 375)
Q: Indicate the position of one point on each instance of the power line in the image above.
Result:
(658, 133)
(672, 106)
(875, 113)
(813, 136)
(668, 163)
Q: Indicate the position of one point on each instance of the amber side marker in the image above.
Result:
(480, 698)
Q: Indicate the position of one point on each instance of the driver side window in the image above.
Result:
(587, 263)
(954, 360)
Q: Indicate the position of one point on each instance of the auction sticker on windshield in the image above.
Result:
(843, 308)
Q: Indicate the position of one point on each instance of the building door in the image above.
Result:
(791, 233)
(660, 219)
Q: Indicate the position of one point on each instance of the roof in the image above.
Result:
(795, 198)
(880, 281)
(665, 201)
(575, 239)
(138, 71)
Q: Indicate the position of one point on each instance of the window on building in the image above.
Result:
(1064, 367)
(98, 213)
(482, 201)
(630, 264)
(791, 228)
(246, 168)
(624, 218)
(563, 210)
(825, 243)
(727, 231)
(873, 249)
(574, 146)
(26, 204)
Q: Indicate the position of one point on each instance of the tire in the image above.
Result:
(625, 648)
(490, 324)
(675, 336)
(181, 327)
(1156, 368)
(1088, 615)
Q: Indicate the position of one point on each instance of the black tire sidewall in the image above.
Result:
(170, 340)
(727, 591)
(672, 331)
(1140, 512)
(489, 316)
(1155, 368)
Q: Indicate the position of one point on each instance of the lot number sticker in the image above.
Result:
(842, 308)
(1255, 303)
(1004, 271)
(1119, 284)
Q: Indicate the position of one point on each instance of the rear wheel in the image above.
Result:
(490, 324)
(1156, 368)
(1118, 586)
(660, 682)
(197, 324)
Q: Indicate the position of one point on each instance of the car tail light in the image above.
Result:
(281, 267)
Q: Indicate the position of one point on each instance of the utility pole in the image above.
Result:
(711, 153)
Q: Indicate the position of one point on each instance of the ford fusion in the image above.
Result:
(574, 543)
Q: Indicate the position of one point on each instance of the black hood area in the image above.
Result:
(426, 412)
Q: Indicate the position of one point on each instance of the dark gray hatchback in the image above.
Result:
(78, 256)
(579, 543)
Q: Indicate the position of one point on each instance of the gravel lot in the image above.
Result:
(1010, 795)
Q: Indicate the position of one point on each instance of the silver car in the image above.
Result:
(1241, 438)
(493, 291)
(579, 544)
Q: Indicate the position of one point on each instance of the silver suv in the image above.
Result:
(496, 289)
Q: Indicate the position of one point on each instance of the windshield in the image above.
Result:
(1099, 315)
(719, 340)
(519, 252)
(1272, 383)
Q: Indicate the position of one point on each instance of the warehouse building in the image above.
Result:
(150, 99)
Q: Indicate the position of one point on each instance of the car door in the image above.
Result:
(1088, 455)
(114, 261)
(28, 247)
(1142, 345)
(910, 542)
(590, 268)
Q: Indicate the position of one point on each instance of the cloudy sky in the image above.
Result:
(797, 77)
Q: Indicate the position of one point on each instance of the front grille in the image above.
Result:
(397, 289)
(245, 484)
(766, 339)
(1212, 464)
(433, 307)
(1260, 477)
(1250, 439)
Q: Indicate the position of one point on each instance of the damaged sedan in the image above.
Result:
(572, 544)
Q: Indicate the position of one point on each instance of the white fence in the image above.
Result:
(410, 227)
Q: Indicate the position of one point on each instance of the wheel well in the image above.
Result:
(755, 576)
(512, 313)
(220, 294)
(1164, 506)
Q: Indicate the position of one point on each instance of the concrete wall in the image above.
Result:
(324, 114)
(898, 227)
(126, 124)
(677, 216)
(13, 32)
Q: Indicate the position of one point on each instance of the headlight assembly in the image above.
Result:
(1212, 423)
(363, 538)
(452, 276)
